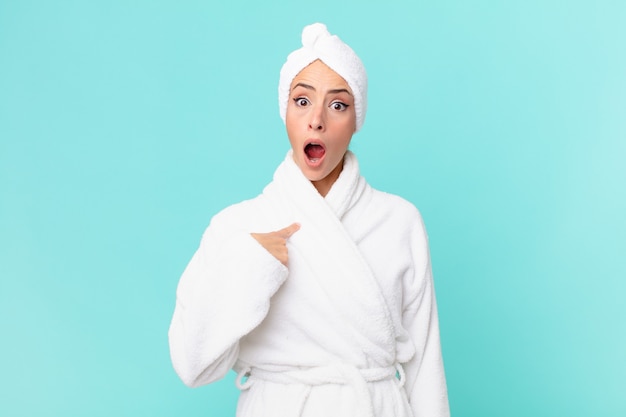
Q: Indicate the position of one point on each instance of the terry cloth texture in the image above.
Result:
(325, 335)
(318, 43)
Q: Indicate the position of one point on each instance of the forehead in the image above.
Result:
(319, 75)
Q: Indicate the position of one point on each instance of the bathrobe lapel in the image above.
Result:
(325, 252)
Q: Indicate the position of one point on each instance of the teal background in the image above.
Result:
(125, 125)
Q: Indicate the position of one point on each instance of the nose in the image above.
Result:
(317, 120)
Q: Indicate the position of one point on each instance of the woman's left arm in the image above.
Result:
(425, 377)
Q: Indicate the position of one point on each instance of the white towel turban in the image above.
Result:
(318, 43)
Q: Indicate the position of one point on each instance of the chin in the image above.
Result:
(312, 176)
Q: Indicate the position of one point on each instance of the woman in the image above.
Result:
(318, 292)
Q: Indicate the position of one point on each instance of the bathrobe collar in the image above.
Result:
(345, 192)
(349, 283)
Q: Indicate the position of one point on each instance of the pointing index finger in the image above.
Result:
(289, 230)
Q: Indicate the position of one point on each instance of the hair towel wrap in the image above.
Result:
(318, 43)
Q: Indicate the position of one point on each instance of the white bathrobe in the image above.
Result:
(349, 328)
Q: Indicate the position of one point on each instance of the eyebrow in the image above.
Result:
(310, 87)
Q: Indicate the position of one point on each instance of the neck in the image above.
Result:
(324, 185)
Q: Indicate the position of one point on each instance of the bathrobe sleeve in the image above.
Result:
(426, 381)
(223, 294)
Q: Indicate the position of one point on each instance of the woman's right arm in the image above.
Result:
(223, 294)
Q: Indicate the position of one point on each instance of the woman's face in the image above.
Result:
(320, 122)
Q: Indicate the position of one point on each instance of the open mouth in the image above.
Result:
(314, 151)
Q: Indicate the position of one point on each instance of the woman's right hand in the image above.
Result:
(276, 242)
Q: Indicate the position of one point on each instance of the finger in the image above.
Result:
(289, 230)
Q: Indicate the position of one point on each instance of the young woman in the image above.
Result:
(318, 292)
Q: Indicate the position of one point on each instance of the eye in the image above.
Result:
(338, 105)
(301, 101)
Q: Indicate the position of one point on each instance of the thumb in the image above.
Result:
(289, 230)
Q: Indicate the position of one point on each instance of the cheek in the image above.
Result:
(342, 138)
(348, 124)
(290, 124)
(293, 120)
(347, 130)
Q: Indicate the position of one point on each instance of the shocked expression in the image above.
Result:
(320, 123)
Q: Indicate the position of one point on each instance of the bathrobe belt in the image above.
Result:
(340, 373)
